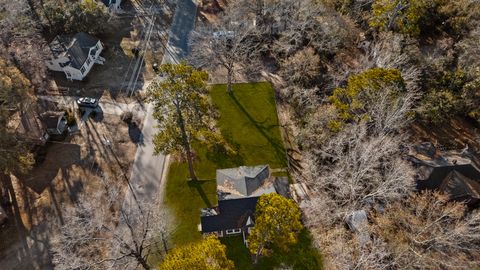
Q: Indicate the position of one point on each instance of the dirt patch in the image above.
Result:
(455, 134)
(58, 158)
(68, 170)
(208, 10)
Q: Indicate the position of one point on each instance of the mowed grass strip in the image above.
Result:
(248, 121)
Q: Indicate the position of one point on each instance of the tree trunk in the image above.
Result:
(4, 196)
(259, 12)
(257, 254)
(142, 261)
(229, 81)
(165, 247)
(396, 12)
(186, 143)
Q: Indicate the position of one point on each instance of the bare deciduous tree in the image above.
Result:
(393, 51)
(357, 168)
(360, 170)
(21, 41)
(341, 250)
(302, 68)
(426, 231)
(97, 235)
(231, 43)
(309, 23)
(469, 51)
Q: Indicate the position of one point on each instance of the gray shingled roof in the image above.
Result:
(76, 47)
(243, 181)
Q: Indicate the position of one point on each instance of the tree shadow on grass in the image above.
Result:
(300, 256)
(277, 145)
(198, 186)
(222, 158)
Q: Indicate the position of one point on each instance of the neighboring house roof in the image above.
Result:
(243, 182)
(452, 173)
(30, 125)
(233, 214)
(76, 48)
(460, 181)
(52, 119)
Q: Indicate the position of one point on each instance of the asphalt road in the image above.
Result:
(148, 168)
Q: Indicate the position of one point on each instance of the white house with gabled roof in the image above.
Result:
(75, 55)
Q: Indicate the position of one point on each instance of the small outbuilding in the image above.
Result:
(55, 122)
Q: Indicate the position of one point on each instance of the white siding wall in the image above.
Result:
(72, 73)
(75, 74)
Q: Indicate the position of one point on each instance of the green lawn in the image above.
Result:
(302, 256)
(248, 121)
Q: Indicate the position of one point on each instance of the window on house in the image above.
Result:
(88, 61)
(234, 231)
(82, 70)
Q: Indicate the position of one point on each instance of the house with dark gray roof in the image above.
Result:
(238, 190)
(75, 55)
(454, 173)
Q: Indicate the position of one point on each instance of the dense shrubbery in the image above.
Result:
(439, 106)
(351, 102)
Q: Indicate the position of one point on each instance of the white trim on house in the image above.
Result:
(62, 62)
(233, 231)
(245, 241)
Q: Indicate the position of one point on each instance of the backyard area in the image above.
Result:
(300, 256)
(248, 121)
